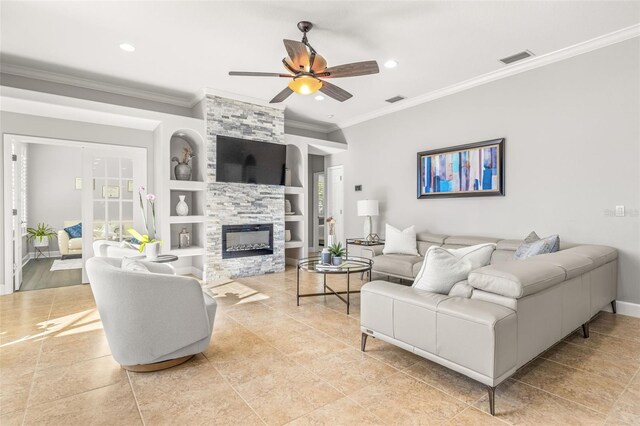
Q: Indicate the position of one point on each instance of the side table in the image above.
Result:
(362, 242)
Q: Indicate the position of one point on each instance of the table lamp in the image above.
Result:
(368, 208)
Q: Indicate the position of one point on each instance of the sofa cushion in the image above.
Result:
(75, 243)
(599, 255)
(423, 246)
(400, 242)
(534, 245)
(469, 240)
(573, 264)
(461, 289)
(396, 264)
(508, 245)
(516, 278)
(74, 231)
(431, 238)
(441, 270)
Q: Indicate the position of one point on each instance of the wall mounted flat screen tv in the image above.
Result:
(246, 161)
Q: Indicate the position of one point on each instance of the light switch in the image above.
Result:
(620, 211)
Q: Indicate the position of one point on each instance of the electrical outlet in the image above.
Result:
(620, 211)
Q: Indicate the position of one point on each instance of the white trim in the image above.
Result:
(186, 270)
(101, 86)
(49, 254)
(625, 308)
(314, 127)
(248, 99)
(517, 68)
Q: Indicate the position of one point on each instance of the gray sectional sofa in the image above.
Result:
(517, 308)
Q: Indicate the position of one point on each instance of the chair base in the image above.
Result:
(157, 366)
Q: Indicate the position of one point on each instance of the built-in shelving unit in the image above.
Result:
(295, 193)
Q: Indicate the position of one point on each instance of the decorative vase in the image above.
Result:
(182, 208)
(325, 256)
(336, 260)
(287, 235)
(151, 250)
(184, 238)
(183, 171)
(287, 206)
(330, 240)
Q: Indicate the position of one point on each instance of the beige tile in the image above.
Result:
(390, 354)
(472, 417)
(255, 316)
(14, 389)
(616, 367)
(191, 393)
(401, 399)
(343, 412)
(621, 326)
(14, 418)
(23, 354)
(446, 380)
(627, 408)
(61, 349)
(107, 406)
(518, 403)
(59, 382)
(597, 392)
(303, 346)
(234, 343)
(604, 343)
(349, 369)
(286, 394)
(259, 364)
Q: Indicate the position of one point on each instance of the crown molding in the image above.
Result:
(86, 83)
(241, 98)
(314, 127)
(517, 68)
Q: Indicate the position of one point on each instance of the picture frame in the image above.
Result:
(110, 191)
(471, 170)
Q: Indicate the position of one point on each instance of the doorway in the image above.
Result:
(335, 202)
(317, 218)
(59, 184)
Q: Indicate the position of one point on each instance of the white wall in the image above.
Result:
(51, 194)
(572, 134)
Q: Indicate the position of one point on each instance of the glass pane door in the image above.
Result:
(110, 196)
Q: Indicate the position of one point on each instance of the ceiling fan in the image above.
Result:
(308, 69)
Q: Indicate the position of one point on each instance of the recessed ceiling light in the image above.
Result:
(390, 64)
(319, 98)
(330, 115)
(127, 47)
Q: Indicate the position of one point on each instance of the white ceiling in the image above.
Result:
(183, 47)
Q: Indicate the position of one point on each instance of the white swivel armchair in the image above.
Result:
(152, 320)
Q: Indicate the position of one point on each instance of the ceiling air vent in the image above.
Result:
(517, 57)
(395, 99)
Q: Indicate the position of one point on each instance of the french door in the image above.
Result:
(110, 203)
(335, 200)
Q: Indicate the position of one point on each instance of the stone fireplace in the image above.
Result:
(247, 240)
(231, 206)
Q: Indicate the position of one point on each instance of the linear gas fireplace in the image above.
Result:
(247, 240)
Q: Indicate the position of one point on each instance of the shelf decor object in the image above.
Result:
(184, 239)
(182, 208)
(368, 208)
(183, 168)
(470, 170)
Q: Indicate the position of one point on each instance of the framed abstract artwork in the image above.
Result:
(472, 170)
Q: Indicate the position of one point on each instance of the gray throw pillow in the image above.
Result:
(534, 245)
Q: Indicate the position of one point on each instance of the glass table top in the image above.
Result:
(349, 264)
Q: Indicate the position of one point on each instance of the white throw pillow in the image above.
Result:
(132, 265)
(479, 255)
(441, 270)
(400, 242)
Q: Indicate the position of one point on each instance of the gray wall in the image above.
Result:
(572, 154)
(316, 164)
(51, 194)
(23, 124)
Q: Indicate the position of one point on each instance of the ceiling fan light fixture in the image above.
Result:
(305, 85)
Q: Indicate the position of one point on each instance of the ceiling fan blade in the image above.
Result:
(258, 74)
(281, 96)
(297, 51)
(318, 64)
(351, 70)
(335, 92)
(289, 66)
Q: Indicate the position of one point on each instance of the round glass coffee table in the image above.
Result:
(350, 265)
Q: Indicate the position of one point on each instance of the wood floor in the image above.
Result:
(36, 275)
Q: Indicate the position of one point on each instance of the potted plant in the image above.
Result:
(337, 252)
(148, 242)
(40, 235)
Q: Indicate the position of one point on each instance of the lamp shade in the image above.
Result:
(368, 208)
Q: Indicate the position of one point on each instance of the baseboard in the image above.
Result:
(625, 308)
(189, 270)
(25, 259)
(52, 254)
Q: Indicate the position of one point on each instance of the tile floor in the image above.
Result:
(271, 362)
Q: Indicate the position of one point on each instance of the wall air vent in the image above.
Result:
(517, 57)
(395, 99)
